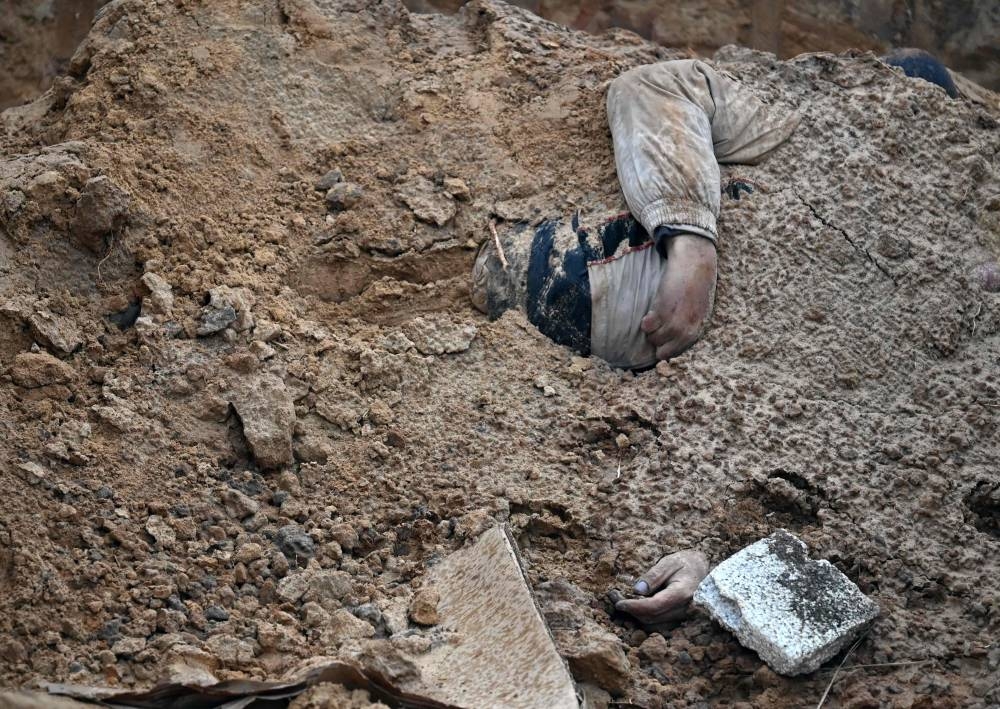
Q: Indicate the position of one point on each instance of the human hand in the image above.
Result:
(672, 581)
(683, 301)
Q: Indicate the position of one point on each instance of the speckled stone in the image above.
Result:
(794, 611)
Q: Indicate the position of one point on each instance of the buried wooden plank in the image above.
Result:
(503, 654)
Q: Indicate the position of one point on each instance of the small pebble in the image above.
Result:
(424, 607)
(295, 544)
(328, 180)
(217, 613)
(344, 195)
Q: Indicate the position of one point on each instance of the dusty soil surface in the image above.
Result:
(240, 415)
(37, 38)
(965, 34)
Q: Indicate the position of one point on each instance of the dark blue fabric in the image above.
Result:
(919, 64)
(734, 188)
(623, 228)
(661, 235)
(558, 301)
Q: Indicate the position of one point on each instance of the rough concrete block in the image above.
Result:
(794, 611)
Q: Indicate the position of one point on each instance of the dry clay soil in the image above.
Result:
(307, 411)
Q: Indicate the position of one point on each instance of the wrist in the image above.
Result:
(690, 246)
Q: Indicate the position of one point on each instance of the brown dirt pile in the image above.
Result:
(965, 34)
(37, 38)
(239, 415)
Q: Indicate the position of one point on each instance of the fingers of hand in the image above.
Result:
(659, 317)
(668, 604)
(660, 573)
(661, 309)
(669, 327)
(672, 348)
(680, 573)
(693, 570)
(672, 328)
(678, 333)
(666, 333)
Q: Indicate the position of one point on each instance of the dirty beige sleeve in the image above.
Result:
(621, 293)
(672, 124)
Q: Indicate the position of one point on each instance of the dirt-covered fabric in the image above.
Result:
(672, 124)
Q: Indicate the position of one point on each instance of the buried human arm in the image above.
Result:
(672, 582)
(683, 301)
(672, 124)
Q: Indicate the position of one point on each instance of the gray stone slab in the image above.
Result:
(794, 611)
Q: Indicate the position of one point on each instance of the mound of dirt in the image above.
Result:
(245, 399)
(36, 41)
(964, 34)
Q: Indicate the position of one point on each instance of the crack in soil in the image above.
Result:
(827, 223)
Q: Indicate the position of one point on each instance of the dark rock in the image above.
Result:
(329, 180)
(126, 318)
(214, 320)
(371, 613)
(221, 301)
(344, 195)
(295, 544)
(216, 613)
(111, 631)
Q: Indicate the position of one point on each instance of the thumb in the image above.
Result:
(651, 322)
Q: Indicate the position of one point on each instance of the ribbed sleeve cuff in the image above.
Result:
(675, 214)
